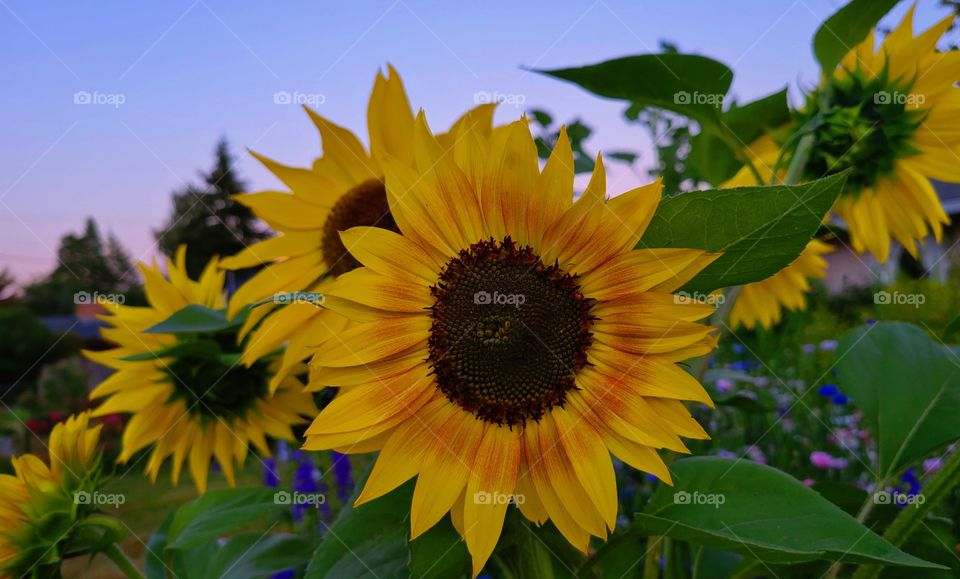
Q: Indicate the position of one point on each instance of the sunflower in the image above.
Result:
(762, 302)
(188, 395)
(38, 508)
(889, 114)
(343, 189)
(510, 340)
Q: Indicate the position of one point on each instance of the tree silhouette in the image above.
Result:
(88, 262)
(207, 219)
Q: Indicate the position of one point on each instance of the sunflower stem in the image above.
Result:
(798, 164)
(717, 320)
(651, 561)
(912, 516)
(122, 562)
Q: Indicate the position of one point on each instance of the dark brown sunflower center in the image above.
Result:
(509, 333)
(364, 205)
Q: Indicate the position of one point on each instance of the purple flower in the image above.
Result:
(304, 481)
(724, 385)
(809, 348)
(911, 481)
(283, 451)
(756, 455)
(828, 345)
(932, 465)
(824, 460)
(343, 474)
(271, 477)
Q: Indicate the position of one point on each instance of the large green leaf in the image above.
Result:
(712, 157)
(439, 553)
(840, 33)
(760, 230)
(257, 555)
(217, 512)
(195, 318)
(366, 541)
(760, 512)
(689, 84)
(907, 386)
(372, 540)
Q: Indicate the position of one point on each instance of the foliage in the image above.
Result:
(25, 346)
(88, 262)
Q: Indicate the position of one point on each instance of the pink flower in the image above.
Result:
(824, 460)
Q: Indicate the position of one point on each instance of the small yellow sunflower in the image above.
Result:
(510, 340)
(38, 506)
(762, 302)
(891, 115)
(188, 395)
(343, 189)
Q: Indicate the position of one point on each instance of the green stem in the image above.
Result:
(718, 320)
(651, 561)
(912, 516)
(798, 164)
(122, 562)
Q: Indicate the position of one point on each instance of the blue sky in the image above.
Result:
(172, 77)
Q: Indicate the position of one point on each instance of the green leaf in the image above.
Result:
(196, 319)
(907, 386)
(258, 555)
(439, 553)
(217, 512)
(689, 84)
(622, 156)
(843, 31)
(760, 230)
(367, 541)
(745, 403)
(541, 117)
(760, 512)
(372, 540)
(711, 156)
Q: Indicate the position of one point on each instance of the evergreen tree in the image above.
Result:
(207, 219)
(86, 262)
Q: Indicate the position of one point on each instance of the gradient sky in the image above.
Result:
(191, 71)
